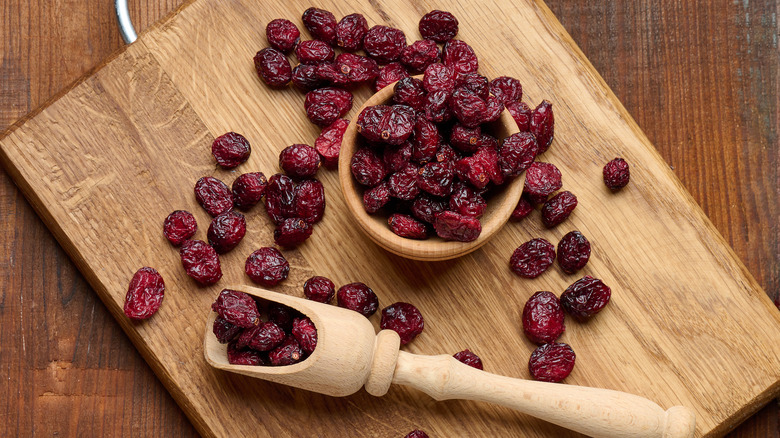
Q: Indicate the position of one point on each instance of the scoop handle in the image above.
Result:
(592, 411)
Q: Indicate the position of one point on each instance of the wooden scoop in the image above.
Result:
(350, 355)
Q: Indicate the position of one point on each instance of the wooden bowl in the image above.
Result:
(501, 203)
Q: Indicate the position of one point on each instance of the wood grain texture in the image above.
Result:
(630, 62)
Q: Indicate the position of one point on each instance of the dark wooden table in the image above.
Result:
(700, 78)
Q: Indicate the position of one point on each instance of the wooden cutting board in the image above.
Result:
(106, 162)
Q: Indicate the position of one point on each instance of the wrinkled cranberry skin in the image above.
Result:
(328, 144)
(403, 184)
(358, 69)
(386, 124)
(368, 167)
(417, 433)
(404, 319)
(465, 139)
(282, 34)
(453, 226)
(299, 161)
(145, 294)
(439, 77)
(558, 208)
(585, 298)
(230, 149)
(516, 154)
(292, 232)
(226, 231)
(314, 52)
(427, 207)
(238, 356)
(425, 141)
(200, 261)
(469, 358)
(543, 318)
(493, 109)
(616, 174)
(467, 107)
(439, 26)
(407, 226)
(309, 201)
(506, 89)
(521, 112)
(330, 74)
(237, 308)
(396, 159)
(321, 24)
(325, 105)
(436, 178)
(476, 83)
(280, 315)
(542, 125)
(542, 179)
(388, 74)
(532, 258)
(273, 67)
(551, 362)
(384, 43)
(263, 337)
(350, 31)
(436, 106)
(213, 195)
(224, 331)
(573, 252)
(480, 168)
(248, 189)
(523, 209)
(319, 289)
(358, 297)
(419, 55)
(467, 202)
(179, 226)
(460, 57)
(305, 333)
(280, 198)
(288, 353)
(410, 91)
(376, 197)
(267, 266)
(305, 78)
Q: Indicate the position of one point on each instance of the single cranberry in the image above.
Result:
(573, 252)
(407, 226)
(425, 140)
(299, 161)
(460, 57)
(237, 308)
(226, 231)
(305, 77)
(543, 318)
(384, 43)
(200, 261)
(224, 330)
(436, 178)
(469, 358)
(403, 184)
(419, 55)
(389, 74)
(309, 201)
(542, 179)
(585, 298)
(287, 353)
(328, 144)
(273, 67)
(417, 433)
(523, 209)
(358, 297)
(404, 319)
(436, 108)
(480, 168)
(506, 89)
(521, 112)
(465, 139)
(145, 294)
(397, 159)
(517, 154)
(476, 83)
(426, 207)
(280, 198)
(558, 208)
(179, 226)
(325, 105)
(267, 266)
(386, 124)
(358, 69)
(493, 109)
(616, 174)
(439, 26)
(292, 232)
(314, 52)
(305, 333)
(321, 24)
(248, 189)
(368, 167)
(467, 107)
(350, 31)
(453, 226)
(230, 149)
(439, 77)
(411, 92)
(551, 362)
(319, 289)
(532, 258)
(542, 125)
(330, 74)
(245, 356)
(213, 195)
(282, 34)
(376, 197)
(468, 202)
(263, 337)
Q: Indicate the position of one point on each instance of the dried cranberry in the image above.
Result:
(309, 201)
(282, 34)
(521, 112)
(417, 433)
(551, 362)
(267, 266)
(411, 92)
(439, 77)
(476, 83)
(407, 226)
(248, 189)
(328, 144)
(213, 195)
(396, 159)
(330, 74)
(262, 337)
(425, 141)
(543, 318)
(427, 207)
(532, 258)
(420, 55)
(387, 124)
(585, 298)
(305, 77)
(542, 125)
(460, 57)
(467, 107)
(436, 178)
(273, 67)
(237, 308)
(321, 24)
(299, 161)
(230, 149)
(314, 52)
(404, 319)
(246, 356)
(179, 226)
(558, 208)
(224, 331)
(305, 333)
(523, 209)
(541, 179)
(376, 197)
(468, 202)
(403, 184)
(466, 139)
(616, 174)
(436, 106)
(388, 74)
(488, 140)
(324, 105)
(200, 261)
(573, 252)
(358, 69)
(281, 315)
(439, 26)
(493, 109)
(517, 153)
(469, 358)
(384, 44)
(453, 226)
(506, 89)
(226, 231)
(447, 153)
(367, 167)
(319, 289)
(350, 31)
(480, 168)
(358, 297)
(280, 198)
(288, 353)
(145, 294)
(292, 232)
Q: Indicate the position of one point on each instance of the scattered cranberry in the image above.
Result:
(263, 337)
(532, 258)
(314, 52)
(469, 358)
(305, 77)
(439, 26)
(410, 91)
(573, 252)
(616, 174)
(439, 77)
(542, 179)
(225, 331)
(282, 34)
(226, 231)
(468, 202)
(406, 226)
(319, 289)
(453, 226)
(213, 195)
(309, 201)
(517, 154)
(267, 266)
(305, 333)
(280, 198)
(288, 353)
(551, 362)
(145, 294)
(384, 44)
(350, 31)
(200, 261)
(376, 197)
(585, 298)
(404, 319)
(390, 73)
(292, 232)
(420, 55)
(460, 57)
(358, 69)
(299, 161)
(248, 189)
(523, 209)
(367, 167)
(542, 125)
(391, 124)
(246, 356)
(506, 89)
(358, 297)
(521, 112)
(325, 105)
(403, 184)
(321, 24)
(543, 318)
(230, 149)
(328, 144)
(179, 226)
(237, 308)
(273, 67)
(558, 208)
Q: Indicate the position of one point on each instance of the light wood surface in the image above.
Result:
(727, 380)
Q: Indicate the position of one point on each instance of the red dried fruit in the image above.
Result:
(273, 67)
(367, 167)
(425, 141)
(299, 161)
(521, 112)
(439, 26)
(516, 154)
(376, 197)
(480, 168)
(467, 107)
(542, 125)
(281, 315)
(386, 124)
(542, 179)
(468, 202)
(358, 69)
(469, 358)
(314, 52)
(329, 73)
(453, 226)
(403, 184)
(420, 55)
(426, 207)
(506, 89)
(573, 252)
(493, 109)
(263, 337)
(460, 57)
(558, 208)
(200, 261)
(237, 308)
(305, 77)
(411, 92)
(388, 74)
(404, 319)
(551, 362)
(325, 105)
(292, 232)
(396, 159)
(230, 149)
(523, 209)
(439, 77)
(267, 266)
(246, 356)
(145, 294)
(585, 298)
(179, 226)
(417, 433)
(319, 289)
(436, 106)
(532, 258)
(309, 201)
(248, 189)
(474, 82)
(616, 174)
(407, 226)
(447, 153)
(328, 144)
(225, 331)
(213, 195)
(350, 31)
(282, 34)
(358, 297)
(384, 43)
(305, 333)
(466, 139)
(287, 353)
(543, 318)
(321, 24)
(226, 231)
(280, 198)
(436, 178)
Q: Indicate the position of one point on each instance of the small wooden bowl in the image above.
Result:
(500, 204)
